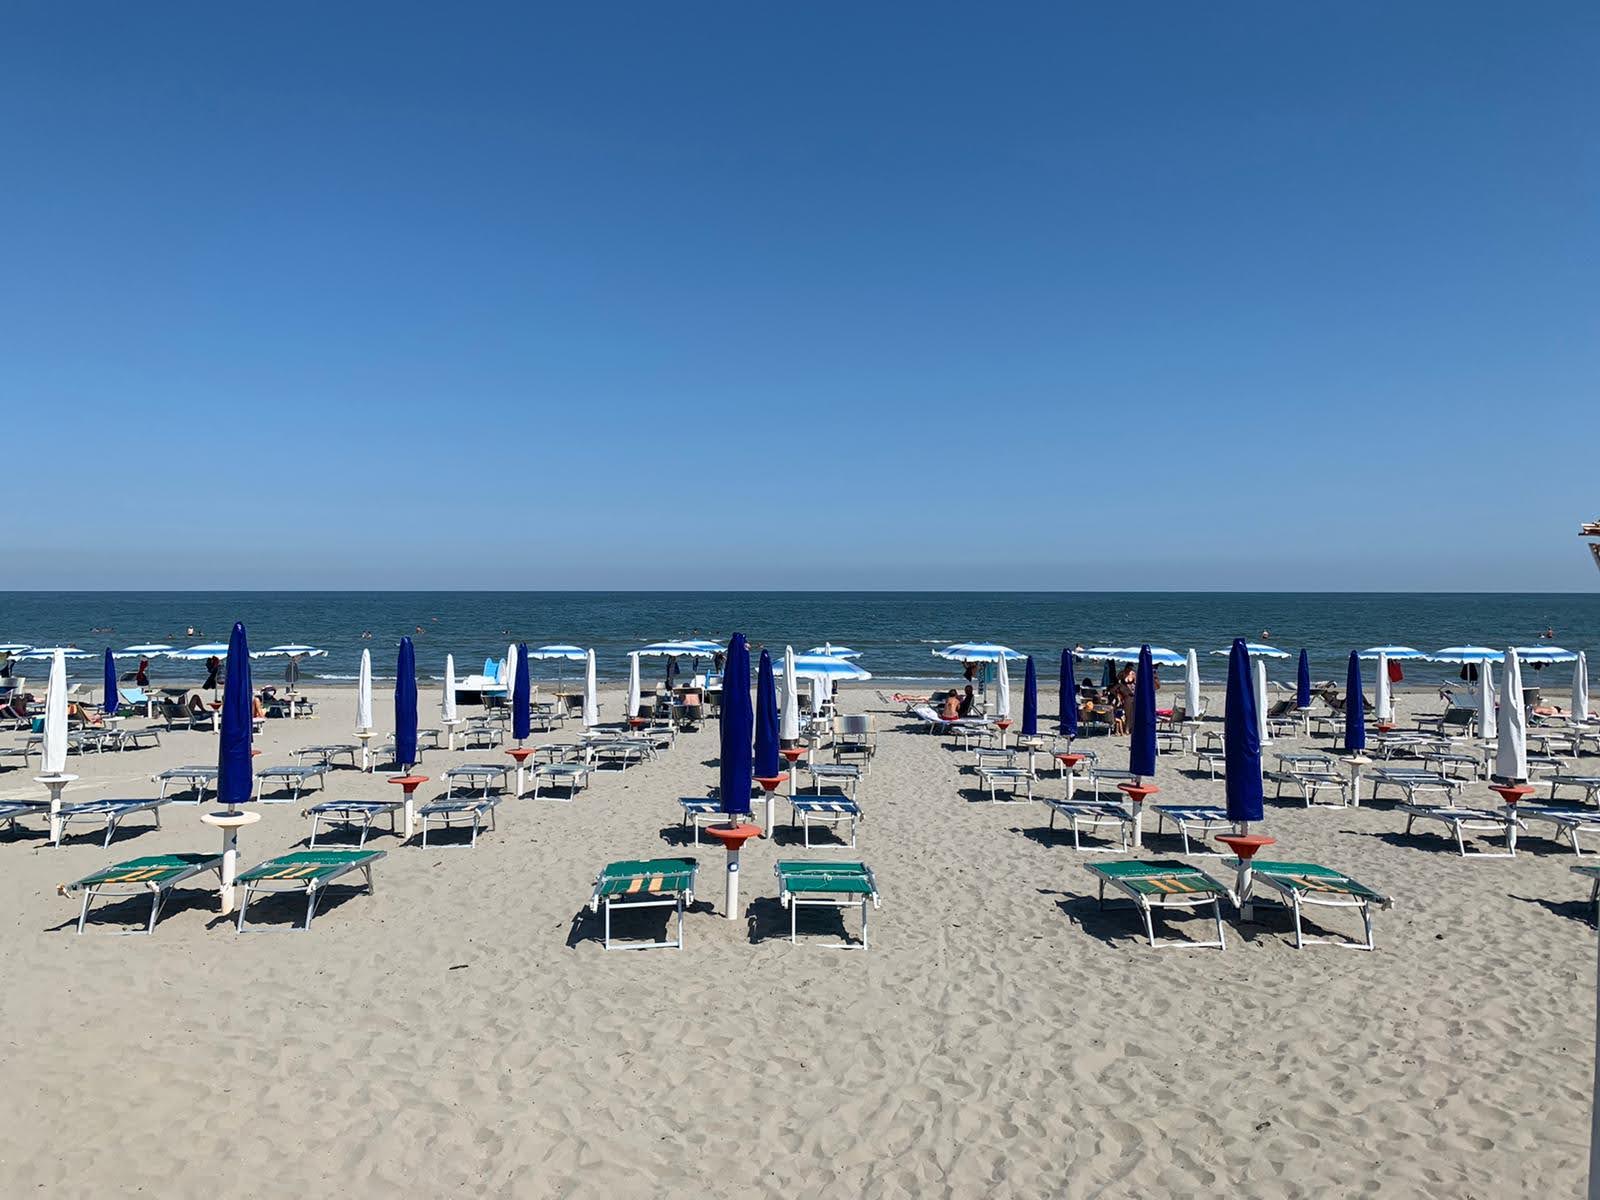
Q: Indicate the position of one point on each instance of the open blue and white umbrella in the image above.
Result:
(1544, 655)
(289, 650)
(15, 649)
(199, 653)
(834, 670)
(144, 650)
(1160, 656)
(832, 651)
(691, 649)
(735, 730)
(1241, 742)
(1467, 654)
(977, 652)
(235, 773)
(1256, 650)
(64, 651)
(570, 653)
(1392, 652)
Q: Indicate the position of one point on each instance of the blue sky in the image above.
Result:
(1060, 296)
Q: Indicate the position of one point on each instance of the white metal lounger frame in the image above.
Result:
(998, 777)
(1568, 821)
(295, 779)
(1184, 816)
(1411, 781)
(573, 776)
(1146, 906)
(794, 902)
(112, 810)
(1463, 821)
(832, 813)
(345, 812)
(1312, 782)
(677, 901)
(1093, 815)
(313, 890)
(156, 891)
(1295, 898)
(474, 808)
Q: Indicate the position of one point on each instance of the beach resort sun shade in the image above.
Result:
(1160, 656)
(405, 706)
(591, 698)
(735, 731)
(1511, 748)
(447, 702)
(289, 650)
(1467, 654)
(1392, 652)
(833, 670)
(1544, 655)
(521, 699)
(831, 651)
(789, 724)
(364, 693)
(144, 650)
(1302, 682)
(1241, 740)
(1488, 718)
(235, 773)
(1262, 732)
(111, 702)
(1256, 650)
(49, 652)
(1067, 715)
(1383, 703)
(1191, 686)
(634, 698)
(1030, 701)
(15, 649)
(689, 648)
(1580, 688)
(1355, 717)
(199, 653)
(572, 653)
(54, 751)
(977, 652)
(766, 753)
(1142, 751)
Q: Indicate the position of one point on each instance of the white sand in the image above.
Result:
(462, 1032)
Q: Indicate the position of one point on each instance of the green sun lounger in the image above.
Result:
(304, 871)
(838, 885)
(1162, 884)
(1308, 883)
(645, 883)
(154, 875)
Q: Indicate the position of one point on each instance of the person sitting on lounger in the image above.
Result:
(968, 702)
(86, 716)
(196, 705)
(951, 709)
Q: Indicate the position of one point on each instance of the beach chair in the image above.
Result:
(645, 883)
(855, 738)
(1302, 884)
(306, 872)
(327, 753)
(623, 751)
(1193, 820)
(823, 810)
(111, 812)
(136, 697)
(1311, 781)
(1592, 874)
(1007, 779)
(1091, 816)
(12, 810)
(1161, 884)
(701, 811)
(1589, 784)
(574, 776)
(191, 777)
(447, 810)
(154, 876)
(291, 778)
(353, 814)
(845, 776)
(929, 717)
(1565, 821)
(838, 885)
(1411, 780)
(480, 775)
(1462, 821)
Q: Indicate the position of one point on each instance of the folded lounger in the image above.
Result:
(304, 871)
(293, 778)
(574, 776)
(1307, 883)
(1192, 820)
(838, 885)
(448, 809)
(824, 810)
(647, 883)
(154, 876)
(1163, 884)
(1462, 821)
(1568, 822)
(354, 814)
(1092, 815)
(110, 811)
(196, 777)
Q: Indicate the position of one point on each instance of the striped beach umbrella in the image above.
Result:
(832, 651)
(1255, 650)
(833, 670)
(1544, 655)
(1392, 652)
(1467, 654)
(977, 652)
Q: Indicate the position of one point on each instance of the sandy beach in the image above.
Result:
(462, 1032)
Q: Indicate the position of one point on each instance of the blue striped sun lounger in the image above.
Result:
(111, 812)
(824, 810)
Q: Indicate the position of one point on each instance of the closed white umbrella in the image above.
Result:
(1261, 700)
(1511, 752)
(55, 717)
(1002, 689)
(633, 685)
(789, 718)
(1384, 708)
(447, 706)
(508, 680)
(1191, 687)
(1580, 687)
(591, 702)
(364, 694)
(1488, 723)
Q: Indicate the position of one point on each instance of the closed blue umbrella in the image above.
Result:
(1302, 691)
(405, 705)
(111, 701)
(521, 695)
(235, 779)
(735, 729)
(1241, 740)
(1030, 702)
(1068, 720)
(1355, 719)
(766, 765)
(1142, 754)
